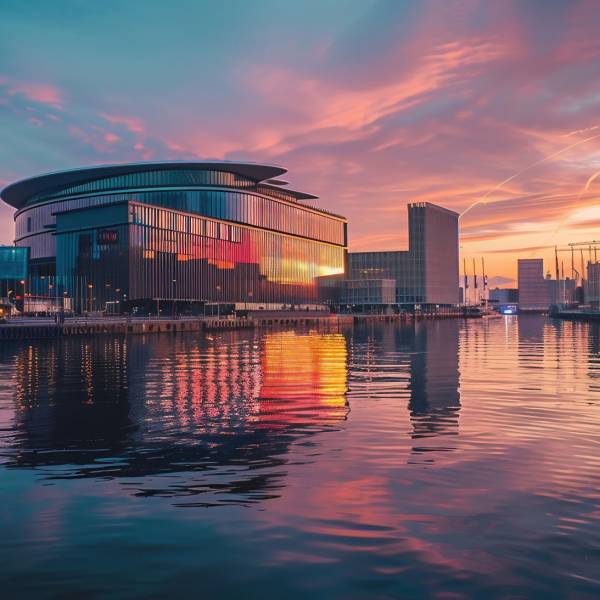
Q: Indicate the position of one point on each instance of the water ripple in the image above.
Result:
(440, 459)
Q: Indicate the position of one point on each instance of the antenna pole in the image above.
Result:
(466, 280)
(476, 294)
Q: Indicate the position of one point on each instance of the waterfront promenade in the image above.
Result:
(20, 328)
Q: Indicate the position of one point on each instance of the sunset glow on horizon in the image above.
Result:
(488, 109)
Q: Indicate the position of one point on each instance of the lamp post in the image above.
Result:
(23, 284)
(62, 307)
(90, 288)
(50, 288)
(107, 287)
(218, 303)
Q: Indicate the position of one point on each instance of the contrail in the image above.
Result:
(584, 189)
(581, 131)
(588, 183)
(535, 164)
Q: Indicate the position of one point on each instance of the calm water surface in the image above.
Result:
(444, 459)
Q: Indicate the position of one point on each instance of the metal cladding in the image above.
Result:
(211, 231)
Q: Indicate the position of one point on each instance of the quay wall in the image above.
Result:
(577, 315)
(30, 329)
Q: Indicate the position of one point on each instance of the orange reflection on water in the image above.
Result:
(304, 378)
(275, 380)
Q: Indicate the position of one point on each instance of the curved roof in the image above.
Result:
(294, 193)
(277, 182)
(16, 194)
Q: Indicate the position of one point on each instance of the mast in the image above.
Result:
(485, 299)
(475, 283)
(582, 276)
(466, 280)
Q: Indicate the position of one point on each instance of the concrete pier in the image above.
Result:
(32, 328)
(577, 315)
(43, 328)
(24, 329)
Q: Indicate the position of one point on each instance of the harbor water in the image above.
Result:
(437, 459)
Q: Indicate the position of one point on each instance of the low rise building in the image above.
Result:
(368, 291)
(426, 273)
(504, 296)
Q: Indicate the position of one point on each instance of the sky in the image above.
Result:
(370, 104)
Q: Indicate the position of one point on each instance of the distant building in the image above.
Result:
(426, 273)
(367, 291)
(504, 296)
(561, 291)
(592, 285)
(533, 289)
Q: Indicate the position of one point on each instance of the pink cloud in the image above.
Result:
(111, 138)
(132, 124)
(37, 92)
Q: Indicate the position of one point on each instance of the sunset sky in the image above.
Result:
(370, 104)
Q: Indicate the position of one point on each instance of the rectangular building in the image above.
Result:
(533, 290)
(562, 291)
(592, 285)
(426, 273)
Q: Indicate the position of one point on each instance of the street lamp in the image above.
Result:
(90, 288)
(23, 284)
(218, 302)
(106, 297)
(52, 304)
(62, 306)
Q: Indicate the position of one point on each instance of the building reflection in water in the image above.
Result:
(414, 365)
(594, 356)
(434, 384)
(177, 416)
(214, 418)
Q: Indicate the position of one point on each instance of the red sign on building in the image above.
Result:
(108, 236)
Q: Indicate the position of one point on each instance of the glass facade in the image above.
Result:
(34, 225)
(368, 291)
(209, 232)
(138, 254)
(13, 263)
(146, 179)
(427, 273)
